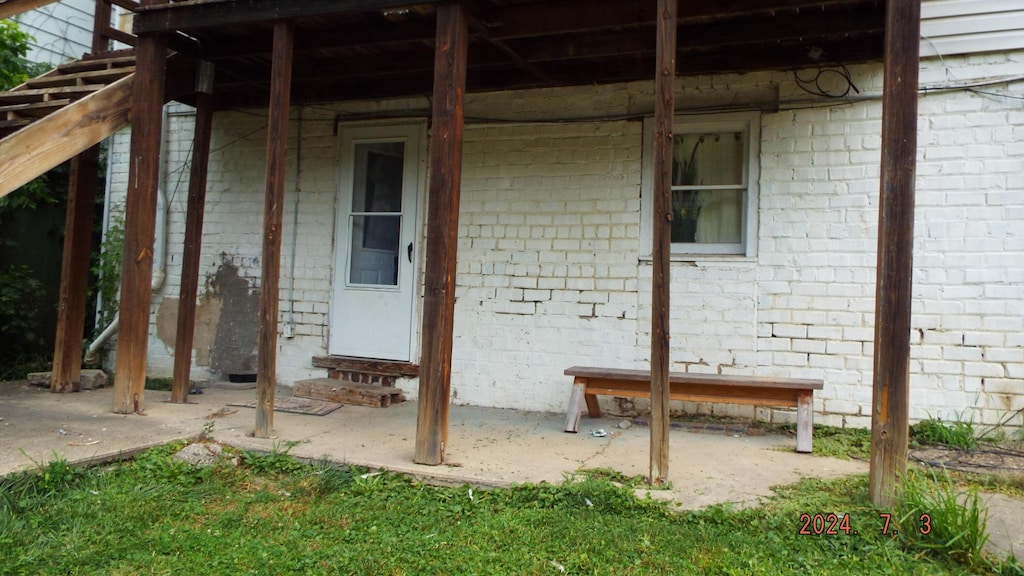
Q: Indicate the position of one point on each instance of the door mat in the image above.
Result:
(297, 406)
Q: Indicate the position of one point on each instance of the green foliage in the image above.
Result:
(277, 461)
(20, 299)
(106, 267)
(958, 434)
(25, 491)
(277, 516)
(932, 515)
(158, 465)
(616, 477)
(13, 48)
(158, 383)
(844, 443)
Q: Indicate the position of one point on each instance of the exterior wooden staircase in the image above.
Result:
(52, 118)
(60, 87)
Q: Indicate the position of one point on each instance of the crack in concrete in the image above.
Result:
(599, 453)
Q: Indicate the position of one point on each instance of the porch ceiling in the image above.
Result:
(359, 49)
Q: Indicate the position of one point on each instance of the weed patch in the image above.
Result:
(933, 515)
(957, 434)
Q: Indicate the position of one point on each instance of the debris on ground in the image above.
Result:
(202, 455)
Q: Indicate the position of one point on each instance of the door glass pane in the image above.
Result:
(375, 250)
(707, 216)
(708, 159)
(378, 177)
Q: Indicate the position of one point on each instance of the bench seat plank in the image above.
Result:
(693, 378)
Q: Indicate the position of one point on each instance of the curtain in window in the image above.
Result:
(708, 215)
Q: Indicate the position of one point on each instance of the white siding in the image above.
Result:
(62, 31)
(951, 27)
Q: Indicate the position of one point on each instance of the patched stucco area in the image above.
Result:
(227, 319)
(234, 346)
(208, 312)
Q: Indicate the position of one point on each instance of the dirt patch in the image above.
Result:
(988, 459)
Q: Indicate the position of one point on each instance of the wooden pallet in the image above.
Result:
(348, 393)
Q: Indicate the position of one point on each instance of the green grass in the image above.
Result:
(934, 515)
(842, 443)
(956, 434)
(157, 383)
(273, 516)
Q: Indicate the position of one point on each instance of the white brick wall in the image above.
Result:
(549, 274)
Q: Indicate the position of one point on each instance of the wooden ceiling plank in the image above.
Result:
(508, 51)
(200, 14)
(566, 16)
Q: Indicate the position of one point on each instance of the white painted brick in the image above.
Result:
(550, 218)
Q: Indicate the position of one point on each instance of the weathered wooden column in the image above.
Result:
(891, 389)
(664, 110)
(442, 233)
(74, 272)
(140, 221)
(193, 235)
(277, 146)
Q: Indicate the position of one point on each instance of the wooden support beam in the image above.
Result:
(211, 14)
(450, 50)
(193, 238)
(664, 111)
(74, 272)
(10, 8)
(139, 225)
(277, 146)
(503, 47)
(100, 24)
(891, 374)
(67, 132)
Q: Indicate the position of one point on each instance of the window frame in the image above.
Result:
(747, 122)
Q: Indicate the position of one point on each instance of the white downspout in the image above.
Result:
(159, 241)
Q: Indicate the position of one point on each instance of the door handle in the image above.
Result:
(409, 252)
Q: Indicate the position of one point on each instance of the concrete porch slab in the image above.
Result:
(487, 446)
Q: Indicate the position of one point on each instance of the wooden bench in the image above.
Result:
(752, 390)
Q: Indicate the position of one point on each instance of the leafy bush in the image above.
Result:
(20, 299)
(13, 48)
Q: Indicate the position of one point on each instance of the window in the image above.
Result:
(714, 185)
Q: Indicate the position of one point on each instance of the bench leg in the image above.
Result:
(804, 421)
(572, 417)
(593, 408)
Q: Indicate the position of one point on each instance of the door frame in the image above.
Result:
(338, 274)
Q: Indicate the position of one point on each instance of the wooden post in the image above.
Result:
(891, 390)
(451, 47)
(74, 272)
(100, 24)
(664, 110)
(140, 223)
(193, 236)
(277, 146)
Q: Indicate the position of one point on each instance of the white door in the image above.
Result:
(375, 237)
